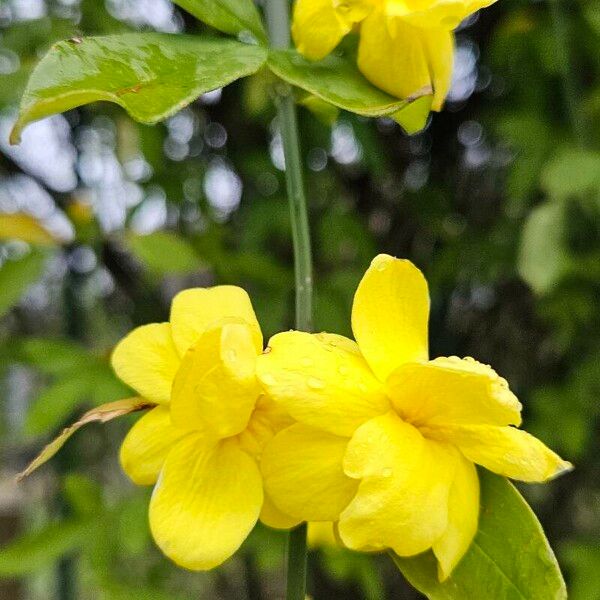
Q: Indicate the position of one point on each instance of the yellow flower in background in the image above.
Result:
(406, 46)
(201, 444)
(386, 440)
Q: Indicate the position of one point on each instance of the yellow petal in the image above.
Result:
(435, 13)
(267, 419)
(402, 500)
(147, 361)
(505, 450)
(392, 56)
(145, 447)
(194, 310)
(321, 381)
(463, 517)
(206, 502)
(302, 471)
(449, 391)
(216, 386)
(318, 25)
(439, 50)
(390, 314)
(321, 535)
(271, 516)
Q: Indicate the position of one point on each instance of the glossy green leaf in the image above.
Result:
(337, 80)
(163, 252)
(230, 16)
(36, 550)
(509, 559)
(151, 75)
(16, 276)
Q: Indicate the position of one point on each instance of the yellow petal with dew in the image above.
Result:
(319, 25)
(506, 451)
(272, 517)
(390, 315)
(146, 360)
(321, 380)
(439, 51)
(205, 503)
(402, 500)
(451, 390)
(463, 518)
(145, 447)
(302, 471)
(392, 56)
(216, 386)
(195, 310)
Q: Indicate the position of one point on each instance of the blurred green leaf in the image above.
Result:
(83, 494)
(572, 172)
(52, 356)
(582, 561)
(543, 258)
(230, 16)
(509, 559)
(338, 81)
(163, 252)
(36, 550)
(17, 275)
(151, 75)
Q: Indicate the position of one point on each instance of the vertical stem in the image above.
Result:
(278, 21)
(565, 64)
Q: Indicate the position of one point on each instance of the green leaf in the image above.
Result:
(36, 550)
(543, 259)
(230, 16)
(151, 75)
(163, 252)
(338, 81)
(16, 276)
(509, 559)
(52, 356)
(572, 172)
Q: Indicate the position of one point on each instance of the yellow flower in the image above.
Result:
(386, 440)
(406, 46)
(202, 442)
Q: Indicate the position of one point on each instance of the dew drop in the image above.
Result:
(231, 355)
(315, 384)
(268, 379)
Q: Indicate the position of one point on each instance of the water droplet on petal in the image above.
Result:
(231, 355)
(268, 379)
(315, 384)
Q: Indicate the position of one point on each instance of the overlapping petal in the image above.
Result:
(319, 25)
(463, 518)
(435, 13)
(402, 500)
(438, 43)
(452, 391)
(145, 447)
(216, 387)
(390, 315)
(147, 361)
(272, 517)
(392, 56)
(206, 502)
(505, 450)
(302, 471)
(195, 310)
(321, 380)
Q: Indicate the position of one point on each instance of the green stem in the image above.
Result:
(277, 12)
(278, 21)
(565, 64)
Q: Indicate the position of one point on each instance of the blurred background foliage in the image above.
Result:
(102, 221)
